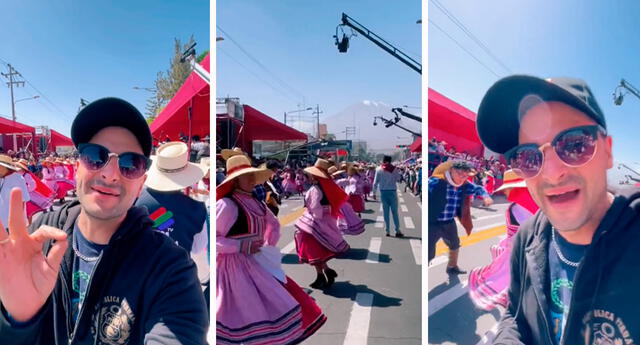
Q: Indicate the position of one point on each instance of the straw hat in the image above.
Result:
(226, 153)
(333, 171)
(320, 169)
(511, 180)
(237, 166)
(6, 162)
(22, 164)
(171, 170)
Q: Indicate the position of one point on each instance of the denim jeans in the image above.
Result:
(389, 200)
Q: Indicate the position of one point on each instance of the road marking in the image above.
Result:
(373, 257)
(401, 200)
(290, 217)
(379, 222)
(420, 205)
(284, 206)
(380, 207)
(488, 337)
(289, 248)
(439, 260)
(488, 217)
(404, 208)
(416, 248)
(358, 330)
(447, 297)
(484, 233)
(408, 223)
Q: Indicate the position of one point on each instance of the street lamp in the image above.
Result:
(26, 99)
(294, 111)
(150, 89)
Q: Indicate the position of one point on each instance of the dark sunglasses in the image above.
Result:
(574, 146)
(132, 165)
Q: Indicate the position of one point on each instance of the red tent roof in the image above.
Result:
(58, 139)
(416, 146)
(8, 126)
(174, 118)
(259, 126)
(453, 123)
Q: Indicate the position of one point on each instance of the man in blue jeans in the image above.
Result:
(387, 176)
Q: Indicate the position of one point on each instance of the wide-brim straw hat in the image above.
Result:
(511, 181)
(6, 162)
(22, 164)
(237, 166)
(171, 170)
(333, 171)
(319, 169)
(228, 153)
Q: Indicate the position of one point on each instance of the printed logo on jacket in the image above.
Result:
(113, 321)
(602, 327)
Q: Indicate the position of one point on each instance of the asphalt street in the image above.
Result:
(376, 298)
(453, 318)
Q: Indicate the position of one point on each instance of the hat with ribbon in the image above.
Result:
(6, 162)
(511, 180)
(319, 169)
(237, 166)
(228, 153)
(171, 170)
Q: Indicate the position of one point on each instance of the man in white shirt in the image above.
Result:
(9, 179)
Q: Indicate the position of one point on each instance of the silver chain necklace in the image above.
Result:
(559, 252)
(80, 255)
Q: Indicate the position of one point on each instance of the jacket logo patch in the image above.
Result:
(162, 220)
(113, 321)
(602, 327)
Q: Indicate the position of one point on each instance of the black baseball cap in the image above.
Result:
(505, 103)
(110, 112)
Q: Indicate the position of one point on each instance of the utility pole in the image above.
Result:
(317, 113)
(10, 84)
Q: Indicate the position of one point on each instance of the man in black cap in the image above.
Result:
(573, 263)
(94, 271)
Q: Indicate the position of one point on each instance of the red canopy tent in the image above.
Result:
(416, 146)
(453, 123)
(58, 139)
(13, 127)
(174, 118)
(259, 126)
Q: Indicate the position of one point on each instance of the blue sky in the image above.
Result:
(597, 41)
(294, 40)
(91, 49)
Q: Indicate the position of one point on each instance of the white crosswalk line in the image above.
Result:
(439, 260)
(358, 330)
(408, 223)
(447, 297)
(488, 217)
(401, 200)
(289, 248)
(404, 208)
(373, 257)
(380, 207)
(380, 222)
(416, 249)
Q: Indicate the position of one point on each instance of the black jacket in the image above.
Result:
(144, 290)
(606, 290)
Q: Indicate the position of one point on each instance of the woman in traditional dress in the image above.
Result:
(350, 223)
(370, 174)
(49, 175)
(488, 285)
(317, 237)
(355, 189)
(300, 182)
(40, 195)
(256, 302)
(62, 180)
(289, 183)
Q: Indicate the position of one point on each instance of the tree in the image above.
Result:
(169, 82)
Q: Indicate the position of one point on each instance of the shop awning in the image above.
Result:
(173, 121)
(453, 123)
(7, 127)
(416, 146)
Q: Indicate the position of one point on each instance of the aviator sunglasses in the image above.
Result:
(132, 165)
(574, 146)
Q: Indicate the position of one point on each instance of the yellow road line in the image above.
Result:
(441, 248)
(290, 217)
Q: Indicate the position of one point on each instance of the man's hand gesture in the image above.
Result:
(27, 277)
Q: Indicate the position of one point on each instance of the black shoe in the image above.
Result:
(331, 276)
(320, 282)
(388, 234)
(399, 234)
(455, 270)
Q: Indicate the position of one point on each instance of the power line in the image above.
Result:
(256, 75)
(464, 29)
(278, 79)
(463, 48)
